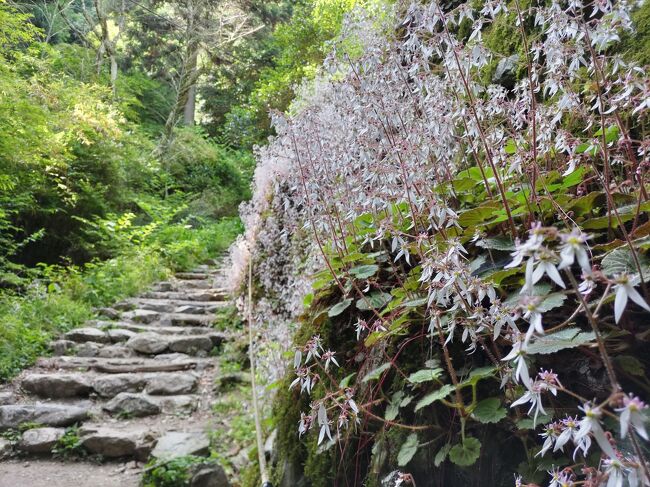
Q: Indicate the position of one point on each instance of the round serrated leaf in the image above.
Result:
(489, 411)
(364, 271)
(424, 375)
(466, 453)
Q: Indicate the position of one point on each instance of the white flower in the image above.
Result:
(631, 415)
(624, 290)
(518, 354)
(590, 424)
(532, 313)
(546, 266)
(574, 247)
(615, 471)
(570, 429)
(534, 396)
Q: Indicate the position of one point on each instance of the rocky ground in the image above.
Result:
(134, 385)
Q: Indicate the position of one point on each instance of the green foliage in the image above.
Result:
(173, 473)
(69, 445)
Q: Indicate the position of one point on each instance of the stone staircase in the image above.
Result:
(137, 383)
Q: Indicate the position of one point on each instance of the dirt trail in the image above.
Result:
(134, 385)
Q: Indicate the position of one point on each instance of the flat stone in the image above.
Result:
(112, 385)
(61, 347)
(183, 319)
(129, 404)
(56, 385)
(176, 444)
(171, 357)
(177, 404)
(141, 315)
(40, 440)
(81, 335)
(164, 286)
(170, 384)
(149, 343)
(109, 443)
(190, 309)
(12, 416)
(7, 397)
(190, 344)
(194, 284)
(90, 349)
(212, 475)
(201, 276)
(118, 335)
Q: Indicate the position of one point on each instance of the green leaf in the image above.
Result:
(560, 340)
(497, 243)
(530, 424)
(479, 374)
(364, 271)
(376, 373)
(630, 364)
(510, 147)
(339, 308)
(434, 396)
(552, 301)
(441, 455)
(408, 450)
(424, 375)
(477, 216)
(621, 261)
(374, 300)
(414, 303)
(489, 411)
(392, 410)
(346, 381)
(466, 453)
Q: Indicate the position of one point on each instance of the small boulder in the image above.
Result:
(149, 343)
(7, 397)
(81, 335)
(171, 384)
(141, 316)
(505, 74)
(56, 385)
(118, 335)
(40, 440)
(176, 444)
(132, 405)
(191, 344)
(109, 443)
(62, 347)
(110, 313)
(12, 416)
(112, 385)
(209, 475)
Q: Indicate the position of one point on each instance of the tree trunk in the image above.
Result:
(190, 106)
(113, 75)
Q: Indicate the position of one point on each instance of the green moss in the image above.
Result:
(636, 46)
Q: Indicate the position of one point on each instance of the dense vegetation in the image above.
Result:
(452, 230)
(116, 165)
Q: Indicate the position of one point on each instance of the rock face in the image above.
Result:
(61, 347)
(40, 440)
(56, 385)
(176, 444)
(51, 415)
(505, 74)
(132, 405)
(148, 343)
(5, 448)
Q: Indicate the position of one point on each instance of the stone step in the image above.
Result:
(217, 337)
(112, 442)
(140, 405)
(169, 305)
(176, 444)
(206, 295)
(142, 316)
(160, 363)
(12, 416)
(194, 276)
(150, 343)
(68, 385)
(185, 319)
